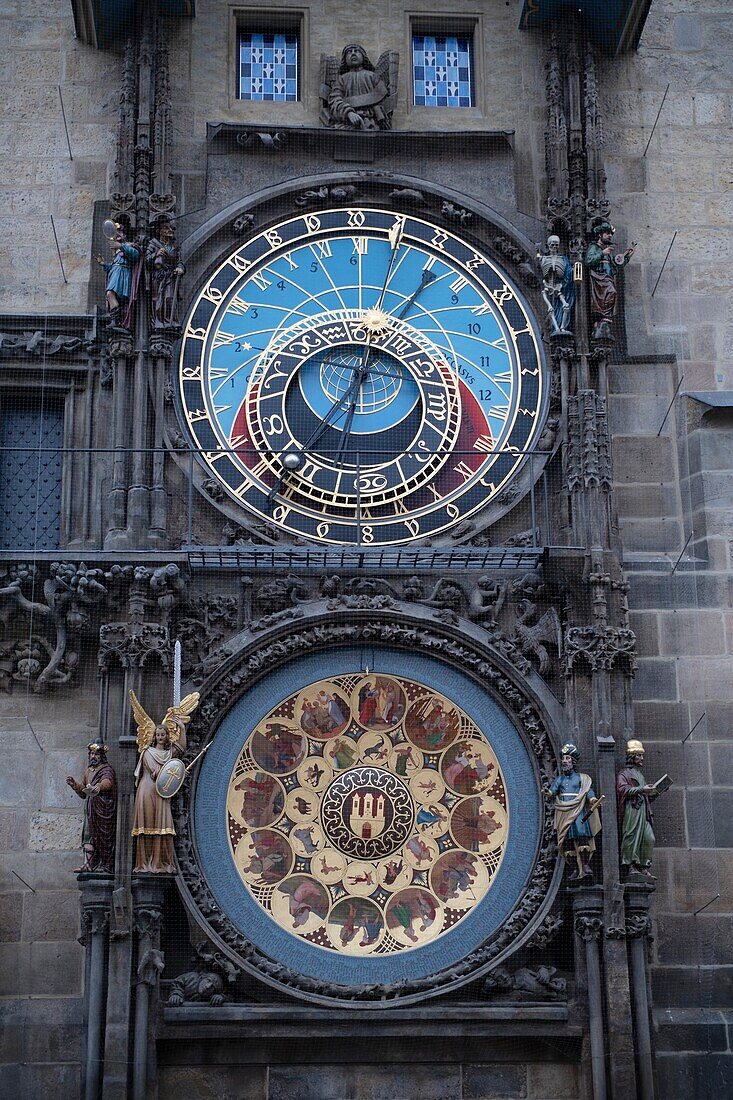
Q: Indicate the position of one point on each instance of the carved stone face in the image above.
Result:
(206, 988)
(567, 763)
(636, 759)
(354, 58)
(95, 758)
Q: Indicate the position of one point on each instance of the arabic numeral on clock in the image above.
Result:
(485, 395)
(474, 328)
(412, 526)
(367, 535)
(485, 361)
(322, 530)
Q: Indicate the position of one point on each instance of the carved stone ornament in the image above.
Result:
(602, 647)
(47, 656)
(133, 643)
(94, 921)
(511, 693)
(638, 924)
(588, 928)
(541, 984)
(207, 980)
(589, 445)
(355, 94)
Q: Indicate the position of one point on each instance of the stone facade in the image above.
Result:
(666, 113)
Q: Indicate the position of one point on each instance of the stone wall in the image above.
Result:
(41, 962)
(430, 1081)
(510, 97)
(674, 490)
(39, 56)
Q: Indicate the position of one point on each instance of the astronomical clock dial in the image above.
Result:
(362, 376)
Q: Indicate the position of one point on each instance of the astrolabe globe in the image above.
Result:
(381, 384)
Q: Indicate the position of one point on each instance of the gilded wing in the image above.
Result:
(178, 717)
(145, 724)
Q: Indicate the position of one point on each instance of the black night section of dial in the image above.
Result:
(371, 447)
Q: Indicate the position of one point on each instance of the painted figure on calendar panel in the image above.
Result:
(367, 814)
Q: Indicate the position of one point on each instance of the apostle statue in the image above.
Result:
(635, 818)
(558, 288)
(123, 273)
(152, 821)
(98, 788)
(577, 820)
(356, 95)
(603, 267)
(164, 266)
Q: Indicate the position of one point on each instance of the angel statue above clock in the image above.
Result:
(157, 745)
(355, 94)
(357, 375)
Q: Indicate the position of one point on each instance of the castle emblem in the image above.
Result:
(367, 812)
(366, 817)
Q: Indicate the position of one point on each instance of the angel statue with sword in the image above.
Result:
(152, 822)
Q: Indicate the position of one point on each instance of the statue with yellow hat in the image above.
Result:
(635, 817)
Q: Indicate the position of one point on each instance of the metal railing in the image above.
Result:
(76, 500)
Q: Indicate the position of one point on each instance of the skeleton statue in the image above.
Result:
(558, 288)
(356, 95)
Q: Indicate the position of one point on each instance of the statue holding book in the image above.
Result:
(635, 816)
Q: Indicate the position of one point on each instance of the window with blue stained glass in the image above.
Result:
(441, 70)
(268, 66)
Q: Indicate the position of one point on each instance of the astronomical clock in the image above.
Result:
(369, 814)
(360, 375)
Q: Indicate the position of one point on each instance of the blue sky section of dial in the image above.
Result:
(328, 275)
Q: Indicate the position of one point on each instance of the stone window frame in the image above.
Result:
(271, 17)
(467, 24)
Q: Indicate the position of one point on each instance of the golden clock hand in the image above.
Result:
(395, 236)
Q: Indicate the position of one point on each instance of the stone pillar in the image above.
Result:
(588, 924)
(126, 649)
(95, 905)
(120, 351)
(638, 933)
(161, 351)
(148, 892)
